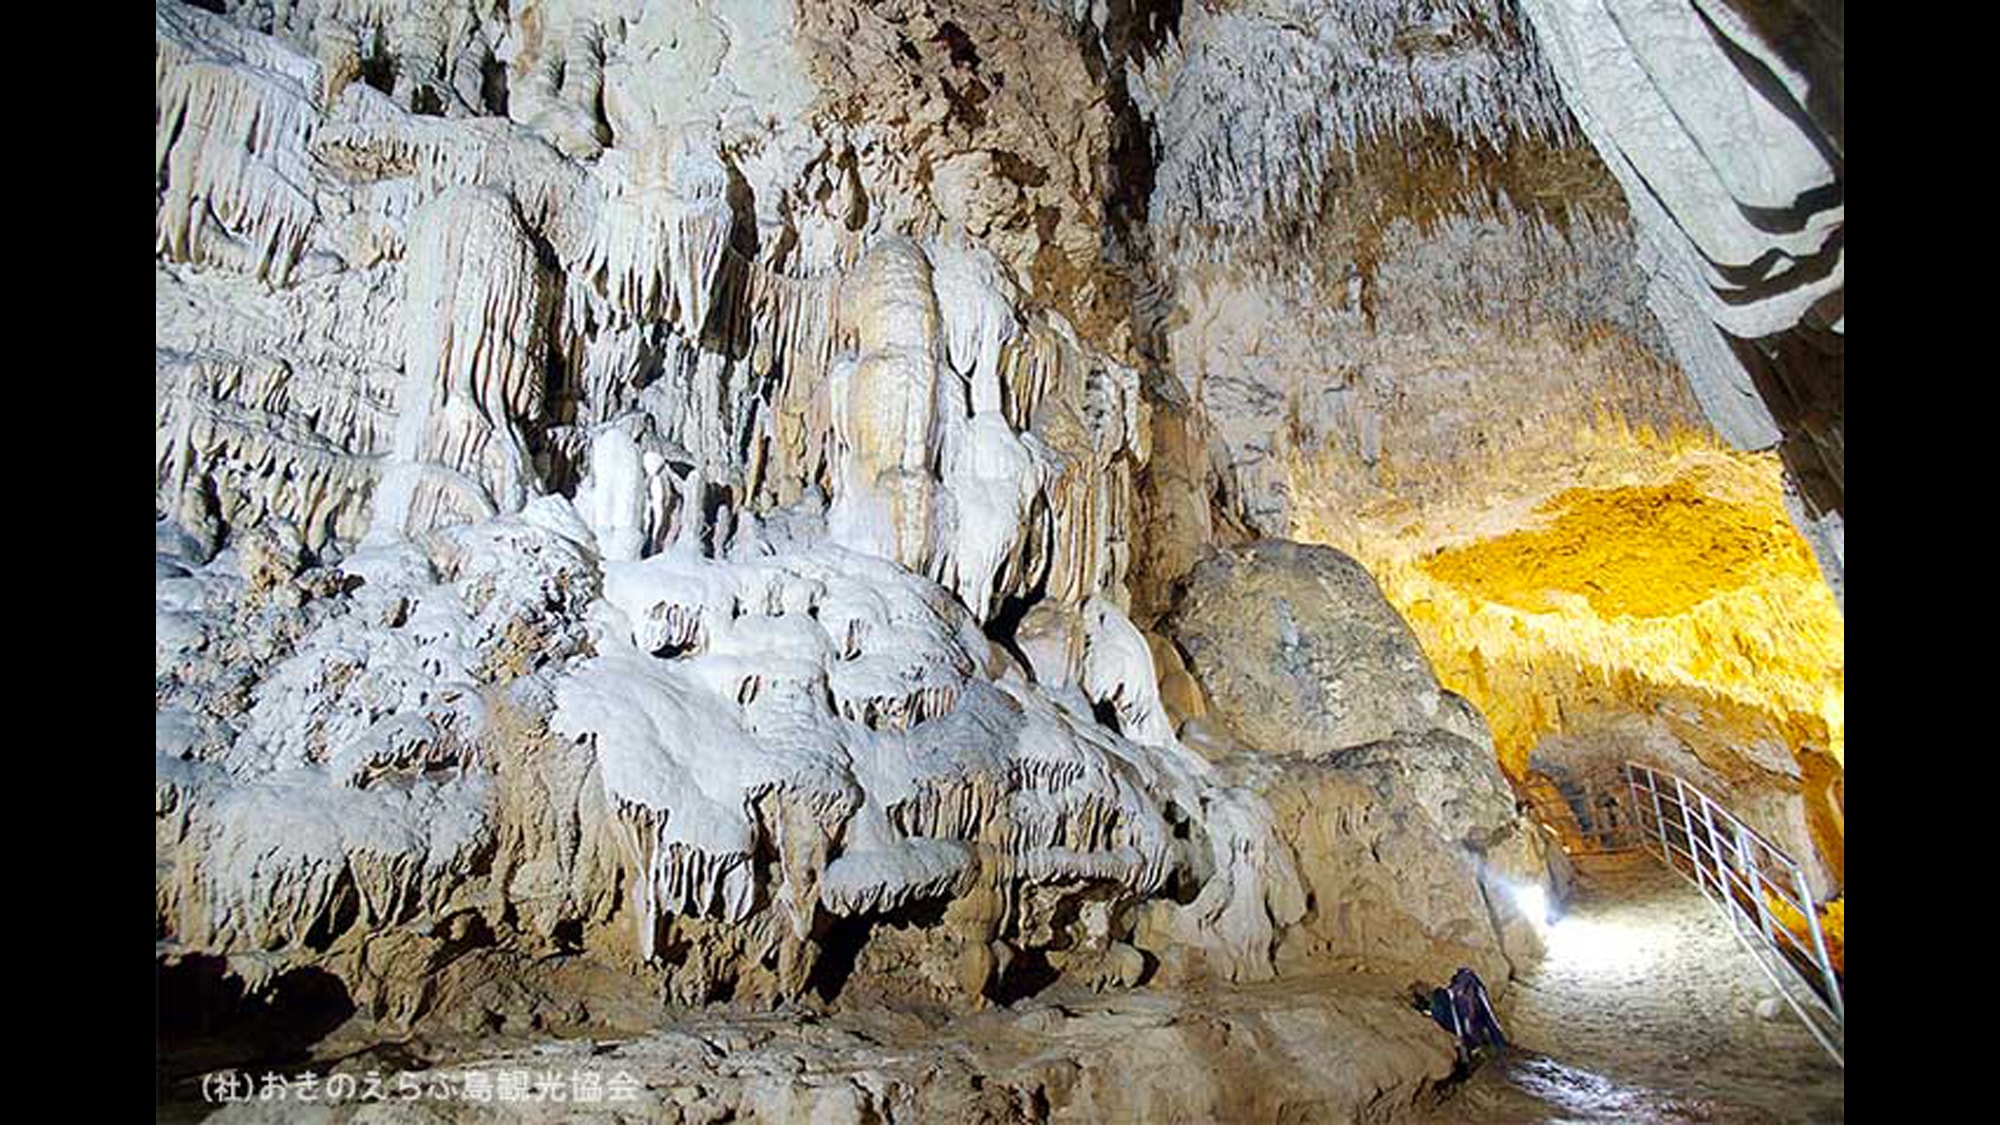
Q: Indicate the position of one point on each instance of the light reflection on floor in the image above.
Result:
(1643, 1011)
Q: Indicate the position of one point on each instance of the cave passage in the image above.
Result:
(1647, 1010)
(927, 560)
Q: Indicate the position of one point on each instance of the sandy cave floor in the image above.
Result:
(1645, 1011)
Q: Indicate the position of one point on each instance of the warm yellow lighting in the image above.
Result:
(1832, 924)
(1645, 551)
(1663, 578)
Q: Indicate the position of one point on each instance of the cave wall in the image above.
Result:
(1723, 121)
(632, 499)
(688, 487)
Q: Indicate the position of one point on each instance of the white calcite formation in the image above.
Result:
(692, 494)
(825, 704)
(327, 740)
(579, 528)
(988, 450)
(475, 313)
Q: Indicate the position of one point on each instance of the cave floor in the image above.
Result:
(1645, 1011)
(1336, 1047)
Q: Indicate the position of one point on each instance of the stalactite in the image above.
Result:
(660, 235)
(231, 130)
(476, 344)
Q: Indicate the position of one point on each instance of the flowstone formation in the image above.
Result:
(667, 511)
(593, 535)
(618, 595)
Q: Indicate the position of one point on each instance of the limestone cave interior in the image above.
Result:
(885, 561)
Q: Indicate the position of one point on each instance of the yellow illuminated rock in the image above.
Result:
(1649, 551)
(1832, 926)
(1652, 574)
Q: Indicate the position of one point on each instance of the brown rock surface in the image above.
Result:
(1343, 1048)
(1298, 651)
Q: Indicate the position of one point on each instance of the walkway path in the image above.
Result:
(1646, 1010)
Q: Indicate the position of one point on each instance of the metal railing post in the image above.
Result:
(1638, 805)
(1756, 874)
(1730, 906)
(1687, 829)
(1659, 817)
(1819, 944)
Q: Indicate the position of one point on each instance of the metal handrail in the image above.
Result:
(1734, 862)
(1578, 828)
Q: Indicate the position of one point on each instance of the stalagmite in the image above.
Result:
(617, 499)
(774, 507)
(890, 434)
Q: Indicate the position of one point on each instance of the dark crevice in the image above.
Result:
(1133, 31)
(425, 101)
(1004, 627)
(958, 45)
(493, 85)
(1107, 716)
(841, 941)
(672, 651)
(1801, 375)
(204, 1021)
(1028, 974)
(1754, 286)
(377, 68)
(344, 911)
